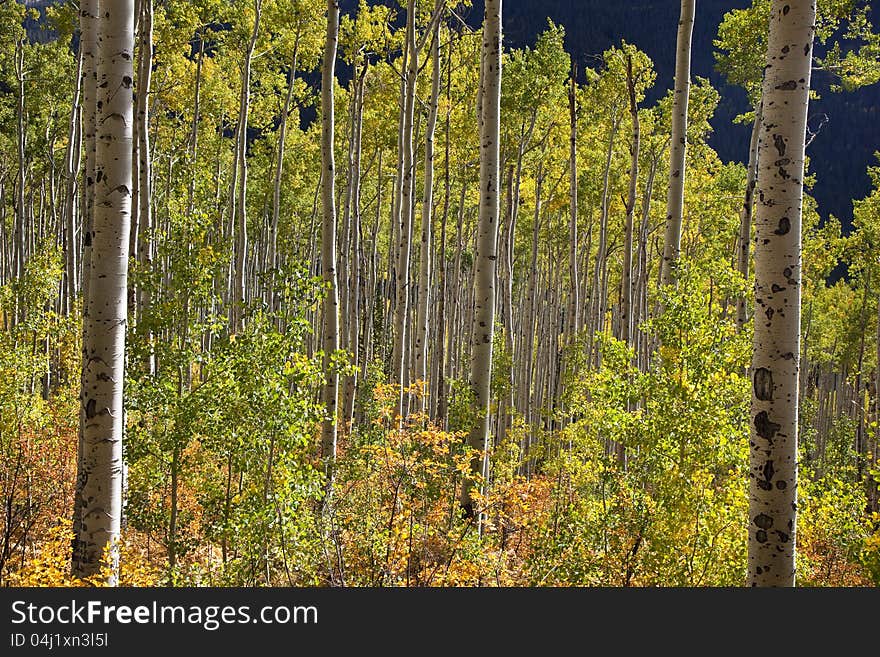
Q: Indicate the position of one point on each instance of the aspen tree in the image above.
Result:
(88, 16)
(72, 160)
(279, 165)
(776, 346)
(142, 226)
(330, 329)
(678, 149)
(100, 486)
(356, 251)
(483, 326)
(239, 206)
(626, 305)
(406, 190)
(442, 332)
(573, 317)
(421, 343)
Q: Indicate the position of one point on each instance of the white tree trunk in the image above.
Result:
(356, 269)
(776, 347)
(678, 149)
(486, 256)
(239, 297)
(72, 159)
(421, 346)
(89, 46)
(330, 330)
(103, 371)
(144, 197)
(279, 170)
(405, 210)
(626, 295)
(573, 318)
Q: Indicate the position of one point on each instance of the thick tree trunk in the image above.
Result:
(103, 371)
(483, 327)
(678, 152)
(330, 329)
(776, 347)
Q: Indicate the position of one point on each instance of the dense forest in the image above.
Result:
(298, 296)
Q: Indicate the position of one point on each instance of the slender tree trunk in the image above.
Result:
(424, 300)
(483, 327)
(776, 346)
(89, 46)
(573, 315)
(72, 163)
(858, 407)
(442, 331)
(872, 481)
(330, 330)
(598, 302)
(144, 244)
(399, 360)
(356, 260)
(22, 225)
(103, 372)
(194, 129)
(525, 398)
(626, 305)
(241, 237)
(279, 170)
(745, 217)
(678, 152)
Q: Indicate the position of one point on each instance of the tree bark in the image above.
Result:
(776, 346)
(399, 360)
(89, 45)
(483, 327)
(356, 266)
(678, 150)
(573, 315)
(72, 161)
(626, 305)
(330, 329)
(144, 221)
(241, 238)
(103, 371)
(279, 170)
(424, 299)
